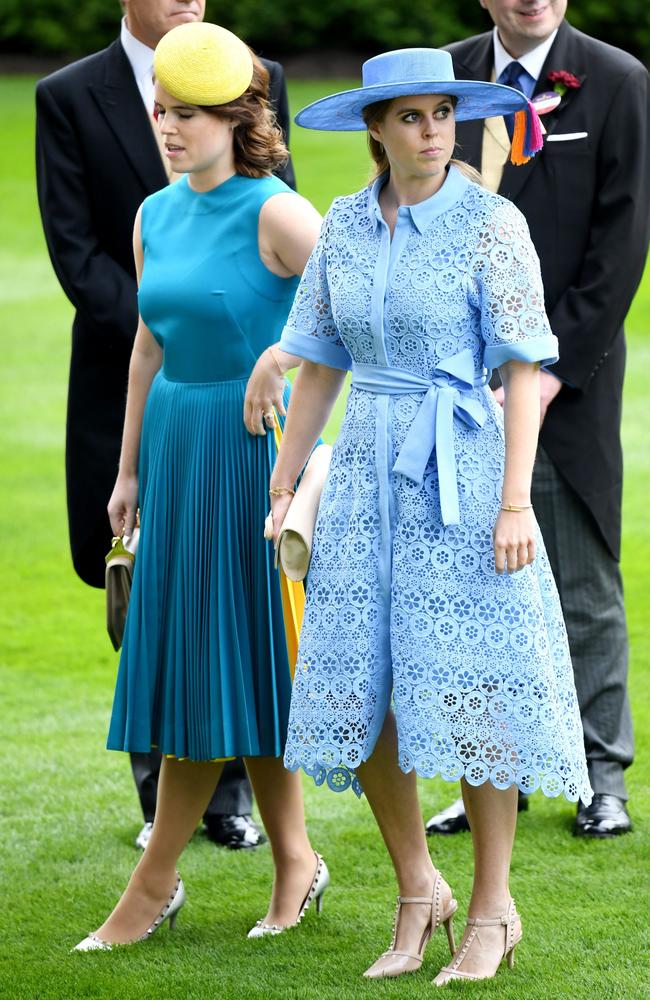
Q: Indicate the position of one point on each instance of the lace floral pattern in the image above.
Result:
(400, 604)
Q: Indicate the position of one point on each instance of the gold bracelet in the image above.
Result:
(281, 491)
(277, 363)
(516, 507)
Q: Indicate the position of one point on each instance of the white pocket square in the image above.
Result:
(566, 136)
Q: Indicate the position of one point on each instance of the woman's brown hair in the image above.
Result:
(258, 143)
(376, 112)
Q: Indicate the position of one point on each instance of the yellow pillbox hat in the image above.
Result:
(203, 64)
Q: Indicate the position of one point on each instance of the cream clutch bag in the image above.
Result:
(293, 550)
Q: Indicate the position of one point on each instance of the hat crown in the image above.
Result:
(403, 65)
(203, 64)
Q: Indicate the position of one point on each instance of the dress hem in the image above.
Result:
(232, 755)
(340, 778)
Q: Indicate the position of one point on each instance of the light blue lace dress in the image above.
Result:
(403, 599)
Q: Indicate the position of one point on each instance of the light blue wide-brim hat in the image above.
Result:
(404, 72)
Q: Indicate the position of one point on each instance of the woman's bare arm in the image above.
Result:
(314, 393)
(288, 229)
(146, 359)
(514, 531)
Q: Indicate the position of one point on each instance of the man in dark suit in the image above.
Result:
(98, 157)
(586, 197)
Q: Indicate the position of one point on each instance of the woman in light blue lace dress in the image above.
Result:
(429, 584)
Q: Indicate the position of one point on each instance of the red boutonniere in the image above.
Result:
(563, 81)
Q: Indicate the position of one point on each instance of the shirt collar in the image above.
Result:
(139, 55)
(532, 62)
(424, 212)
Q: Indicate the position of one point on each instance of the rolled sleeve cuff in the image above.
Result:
(312, 349)
(539, 349)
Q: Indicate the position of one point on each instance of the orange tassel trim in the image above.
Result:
(517, 155)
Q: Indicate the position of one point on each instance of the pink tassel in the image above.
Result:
(534, 141)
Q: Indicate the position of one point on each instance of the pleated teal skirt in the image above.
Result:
(204, 672)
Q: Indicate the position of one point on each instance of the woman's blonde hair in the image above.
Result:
(258, 143)
(376, 112)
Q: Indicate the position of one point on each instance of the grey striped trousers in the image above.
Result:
(591, 592)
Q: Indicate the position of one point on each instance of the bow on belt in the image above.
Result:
(433, 425)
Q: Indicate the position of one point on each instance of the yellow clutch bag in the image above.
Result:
(296, 547)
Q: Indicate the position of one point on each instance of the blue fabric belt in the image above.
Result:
(433, 425)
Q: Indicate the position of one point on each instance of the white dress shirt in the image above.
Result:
(532, 62)
(141, 58)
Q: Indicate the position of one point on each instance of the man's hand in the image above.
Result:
(549, 386)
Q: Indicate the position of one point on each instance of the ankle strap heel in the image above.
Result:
(443, 906)
(510, 921)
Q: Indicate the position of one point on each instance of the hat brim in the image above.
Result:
(343, 112)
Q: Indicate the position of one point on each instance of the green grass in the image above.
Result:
(68, 810)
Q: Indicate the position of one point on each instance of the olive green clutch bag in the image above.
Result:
(119, 574)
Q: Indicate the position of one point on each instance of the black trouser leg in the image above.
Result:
(146, 768)
(233, 795)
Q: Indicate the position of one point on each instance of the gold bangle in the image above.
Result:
(277, 363)
(516, 507)
(281, 491)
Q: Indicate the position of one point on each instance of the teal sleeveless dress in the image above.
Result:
(204, 672)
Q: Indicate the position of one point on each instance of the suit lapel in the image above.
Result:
(119, 100)
(563, 54)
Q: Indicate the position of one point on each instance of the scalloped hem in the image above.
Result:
(340, 778)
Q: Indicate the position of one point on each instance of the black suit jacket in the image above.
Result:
(97, 159)
(587, 202)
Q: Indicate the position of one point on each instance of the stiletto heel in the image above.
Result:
(449, 927)
(169, 912)
(395, 963)
(316, 892)
(510, 921)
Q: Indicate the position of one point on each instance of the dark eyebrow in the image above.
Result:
(410, 111)
(179, 107)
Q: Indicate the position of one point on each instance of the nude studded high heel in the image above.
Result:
(443, 906)
(168, 913)
(317, 889)
(511, 923)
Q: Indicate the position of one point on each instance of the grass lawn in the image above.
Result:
(68, 809)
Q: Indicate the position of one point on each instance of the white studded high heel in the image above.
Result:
(169, 912)
(317, 888)
(511, 923)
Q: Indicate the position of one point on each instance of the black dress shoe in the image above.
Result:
(236, 832)
(606, 816)
(449, 820)
(453, 818)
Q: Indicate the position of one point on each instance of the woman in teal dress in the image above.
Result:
(204, 673)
